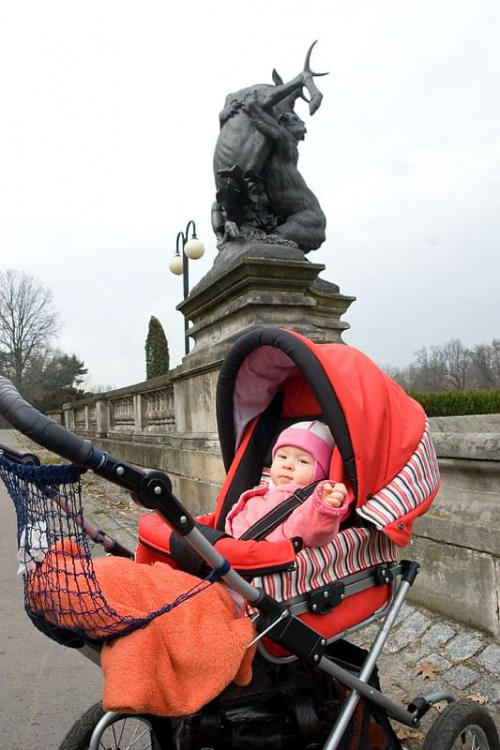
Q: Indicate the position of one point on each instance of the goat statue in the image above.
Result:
(260, 194)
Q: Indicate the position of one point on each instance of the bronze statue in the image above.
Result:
(261, 195)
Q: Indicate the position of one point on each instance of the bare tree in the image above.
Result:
(28, 325)
(481, 374)
(495, 362)
(451, 366)
(485, 365)
(456, 360)
(430, 370)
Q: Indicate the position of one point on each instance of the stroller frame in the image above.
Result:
(286, 630)
(275, 620)
(283, 627)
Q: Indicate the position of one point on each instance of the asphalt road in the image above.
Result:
(44, 687)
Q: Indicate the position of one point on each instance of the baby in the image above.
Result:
(301, 456)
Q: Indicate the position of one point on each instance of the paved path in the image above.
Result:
(44, 687)
(425, 652)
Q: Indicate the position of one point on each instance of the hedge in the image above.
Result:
(455, 403)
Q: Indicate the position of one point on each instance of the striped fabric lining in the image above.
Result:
(410, 488)
(351, 551)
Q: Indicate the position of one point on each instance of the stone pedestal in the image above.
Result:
(249, 285)
(261, 285)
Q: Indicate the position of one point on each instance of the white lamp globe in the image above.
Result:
(175, 265)
(194, 249)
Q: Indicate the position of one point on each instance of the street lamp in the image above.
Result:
(192, 249)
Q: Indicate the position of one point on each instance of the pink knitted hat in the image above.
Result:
(313, 437)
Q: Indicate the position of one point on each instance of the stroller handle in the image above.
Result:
(41, 429)
(152, 488)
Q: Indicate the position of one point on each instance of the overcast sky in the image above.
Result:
(109, 117)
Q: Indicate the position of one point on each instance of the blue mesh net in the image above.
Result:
(61, 590)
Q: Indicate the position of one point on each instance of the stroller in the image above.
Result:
(311, 688)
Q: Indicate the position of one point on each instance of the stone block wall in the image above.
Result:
(458, 540)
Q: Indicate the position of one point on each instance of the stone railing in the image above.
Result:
(139, 424)
(140, 412)
(457, 541)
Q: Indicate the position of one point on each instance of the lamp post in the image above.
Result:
(190, 249)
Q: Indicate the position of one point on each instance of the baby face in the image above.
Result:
(292, 464)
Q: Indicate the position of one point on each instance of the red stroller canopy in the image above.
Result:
(376, 425)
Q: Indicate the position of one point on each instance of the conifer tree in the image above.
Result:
(157, 354)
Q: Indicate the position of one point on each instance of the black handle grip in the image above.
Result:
(39, 428)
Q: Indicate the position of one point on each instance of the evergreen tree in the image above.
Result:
(157, 355)
(54, 400)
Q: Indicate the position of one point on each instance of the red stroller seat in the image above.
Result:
(383, 453)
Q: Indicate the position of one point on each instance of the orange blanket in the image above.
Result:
(179, 661)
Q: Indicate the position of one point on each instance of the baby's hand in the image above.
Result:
(333, 494)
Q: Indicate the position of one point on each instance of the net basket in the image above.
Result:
(62, 594)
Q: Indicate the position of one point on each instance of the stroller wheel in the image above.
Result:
(463, 726)
(124, 732)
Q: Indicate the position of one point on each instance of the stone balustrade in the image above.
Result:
(142, 425)
(457, 541)
(145, 410)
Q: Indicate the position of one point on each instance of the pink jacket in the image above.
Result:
(315, 522)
